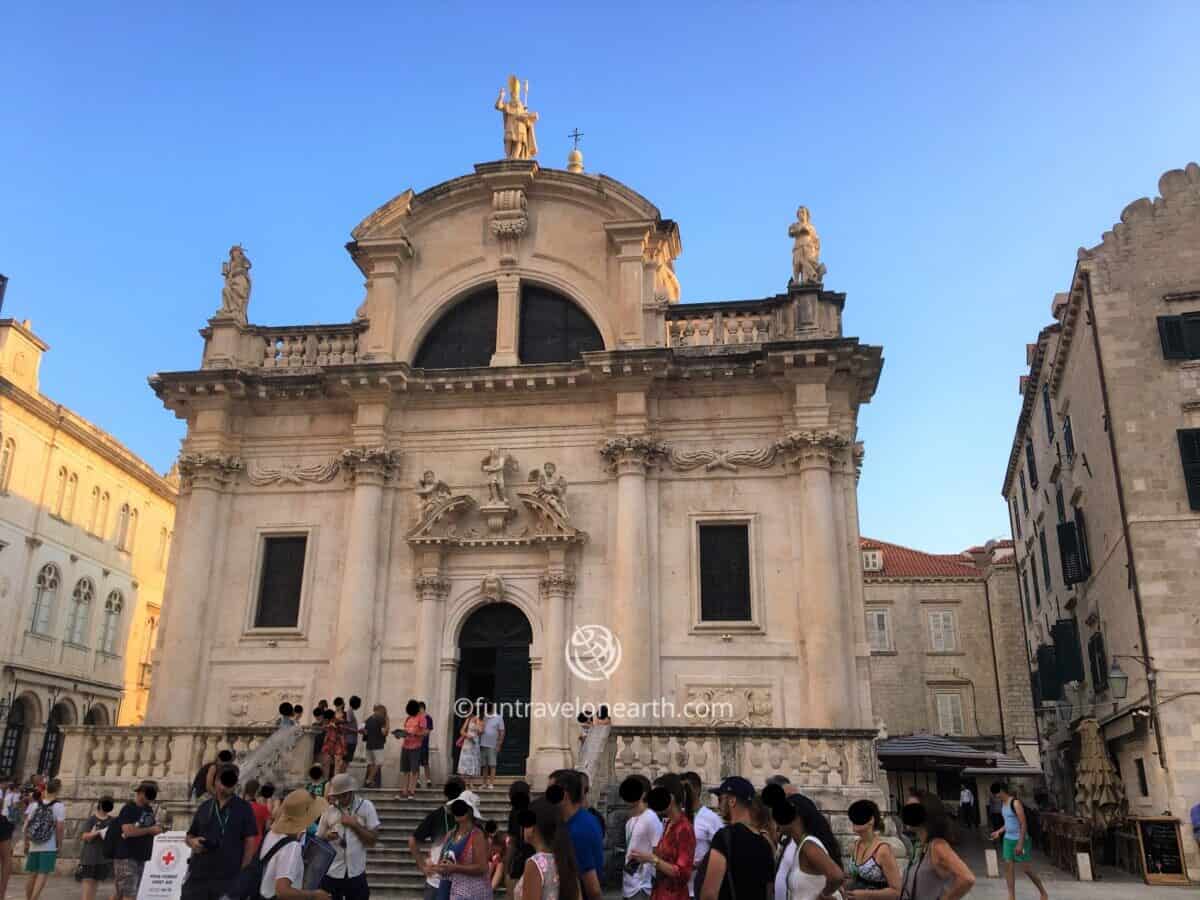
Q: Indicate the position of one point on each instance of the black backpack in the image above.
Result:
(112, 838)
(200, 782)
(248, 885)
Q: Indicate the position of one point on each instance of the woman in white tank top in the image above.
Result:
(812, 870)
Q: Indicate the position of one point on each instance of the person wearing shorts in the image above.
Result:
(41, 856)
(1017, 849)
(425, 745)
(375, 730)
(490, 743)
(410, 749)
(138, 829)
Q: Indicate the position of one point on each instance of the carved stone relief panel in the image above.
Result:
(260, 705)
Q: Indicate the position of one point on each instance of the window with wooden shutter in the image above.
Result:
(1180, 336)
(1068, 438)
(950, 713)
(1037, 591)
(1024, 494)
(1049, 413)
(1031, 463)
(1060, 504)
(1016, 517)
(725, 573)
(943, 635)
(1098, 659)
(281, 582)
(1068, 551)
(1067, 650)
(1048, 680)
(1081, 534)
(879, 630)
(1189, 454)
(1045, 558)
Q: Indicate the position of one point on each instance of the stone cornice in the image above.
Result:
(95, 439)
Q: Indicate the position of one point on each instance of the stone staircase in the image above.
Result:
(391, 869)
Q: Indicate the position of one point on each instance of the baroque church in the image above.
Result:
(523, 437)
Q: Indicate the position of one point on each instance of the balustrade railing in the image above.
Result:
(814, 758)
(99, 756)
(309, 345)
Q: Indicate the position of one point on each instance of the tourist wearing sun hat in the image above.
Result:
(351, 825)
(464, 864)
(283, 873)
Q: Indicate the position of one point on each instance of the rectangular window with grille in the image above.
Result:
(943, 633)
(281, 582)
(879, 630)
(725, 573)
(950, 713)
(1189, 455)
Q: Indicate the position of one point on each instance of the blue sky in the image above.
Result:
(954, 157)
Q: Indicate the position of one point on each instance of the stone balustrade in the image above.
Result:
(802, 313)
(818, 758)
(99, 759)
(304, 346)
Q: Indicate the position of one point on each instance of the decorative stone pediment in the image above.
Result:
(457, 520)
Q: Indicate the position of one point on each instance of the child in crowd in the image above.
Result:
(498, 849)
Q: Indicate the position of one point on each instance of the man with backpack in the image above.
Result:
(45, 821)
(223, 837)
(129, 841)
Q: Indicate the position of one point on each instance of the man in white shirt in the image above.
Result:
(643, 829)
(352, 825)
(283, 872)
(490, 743)
(705, 824)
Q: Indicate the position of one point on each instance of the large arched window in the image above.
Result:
(465, 335)
(112, 623)
(45, 590)
(553, 328)
(81, 612)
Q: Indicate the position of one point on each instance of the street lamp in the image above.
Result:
(1118, 682)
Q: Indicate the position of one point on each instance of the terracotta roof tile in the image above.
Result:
(904, 562)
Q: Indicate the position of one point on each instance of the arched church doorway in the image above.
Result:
(493, 663)
(52, 747)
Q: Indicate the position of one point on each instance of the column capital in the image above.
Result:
(557, 583)
(432, 586)
(632, 454)
(370, 464)
(207, 470)
(814, 449)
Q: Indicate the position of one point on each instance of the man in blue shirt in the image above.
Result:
(583, 828)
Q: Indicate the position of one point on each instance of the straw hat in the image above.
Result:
(299, 810)
(342, 783)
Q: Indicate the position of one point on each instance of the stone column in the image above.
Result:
(830, 686)
(368, 468)
(508, 320)
(432, 588)
(184, 635)
(558, 590)
(629, 239)
(629, 457)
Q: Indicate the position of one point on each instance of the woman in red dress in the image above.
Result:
(673, 857)
(333, 750)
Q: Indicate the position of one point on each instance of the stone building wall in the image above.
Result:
(1146, 267)
(75, 499)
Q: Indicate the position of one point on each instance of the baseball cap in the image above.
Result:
(736, 786)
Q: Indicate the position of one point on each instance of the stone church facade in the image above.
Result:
(523, 440)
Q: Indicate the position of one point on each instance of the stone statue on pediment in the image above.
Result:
(520, 141)
(431, 491)
(235, 295)
(550, 488)
(496, 466)
(807, 267)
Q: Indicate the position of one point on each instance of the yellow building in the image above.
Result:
(85, 530)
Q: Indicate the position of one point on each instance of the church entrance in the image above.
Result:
(493, 664)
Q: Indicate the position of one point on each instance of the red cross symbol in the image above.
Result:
(168, 858)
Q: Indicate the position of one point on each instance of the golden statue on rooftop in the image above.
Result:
(519, 139)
